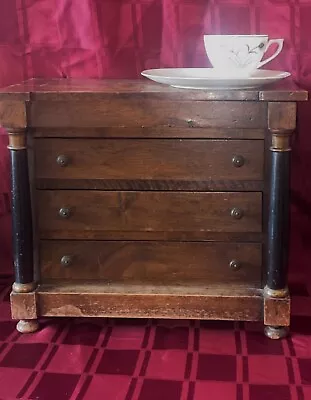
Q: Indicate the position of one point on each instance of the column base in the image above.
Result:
(276, 312)
(276, 332)
(27, 325)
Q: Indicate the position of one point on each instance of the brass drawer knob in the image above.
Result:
(62, 160)
(66, 261)
(238, 161)
(64, 212)
(235, 265)
(236, 213)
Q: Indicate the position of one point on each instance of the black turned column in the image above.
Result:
(21, 213)
(22, 233)
(278, 225)
(282, 121)
(21, 218)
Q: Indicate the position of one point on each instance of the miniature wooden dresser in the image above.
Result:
(134, 199)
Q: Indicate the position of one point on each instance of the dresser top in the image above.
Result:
(83, 89)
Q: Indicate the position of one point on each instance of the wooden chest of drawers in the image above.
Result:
(132, 199)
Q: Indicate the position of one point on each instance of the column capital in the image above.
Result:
(281, 124)
(13, 118)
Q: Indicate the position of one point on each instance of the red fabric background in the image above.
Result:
(146, 359)
(119, 38)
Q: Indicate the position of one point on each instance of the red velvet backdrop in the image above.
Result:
(119, 38)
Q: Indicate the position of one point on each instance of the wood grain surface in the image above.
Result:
(94, 213)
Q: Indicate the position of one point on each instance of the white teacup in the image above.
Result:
(239, 55)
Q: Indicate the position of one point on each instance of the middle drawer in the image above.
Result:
(143, 215)
(149, 164)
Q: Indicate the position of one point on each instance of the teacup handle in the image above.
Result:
(279, 42)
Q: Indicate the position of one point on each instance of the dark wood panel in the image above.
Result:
(13, 116)
(144, 212)
(143, 184)
(132, 112)
(165, 235)
(96, 89)
(149, 159)
(23, 305)
(272, 94)
(137, 301)
(156, 262)
(150, 133)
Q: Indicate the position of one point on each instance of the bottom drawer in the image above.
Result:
(152, 262)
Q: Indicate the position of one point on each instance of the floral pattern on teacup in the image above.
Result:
(243, 55)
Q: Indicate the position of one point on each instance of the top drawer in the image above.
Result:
(149, 164)
(128, 111)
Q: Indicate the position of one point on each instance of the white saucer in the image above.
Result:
(209, 78)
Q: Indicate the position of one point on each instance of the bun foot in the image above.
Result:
(276, 332)
(27, 325)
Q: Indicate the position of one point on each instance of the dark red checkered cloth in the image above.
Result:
(126, 359)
